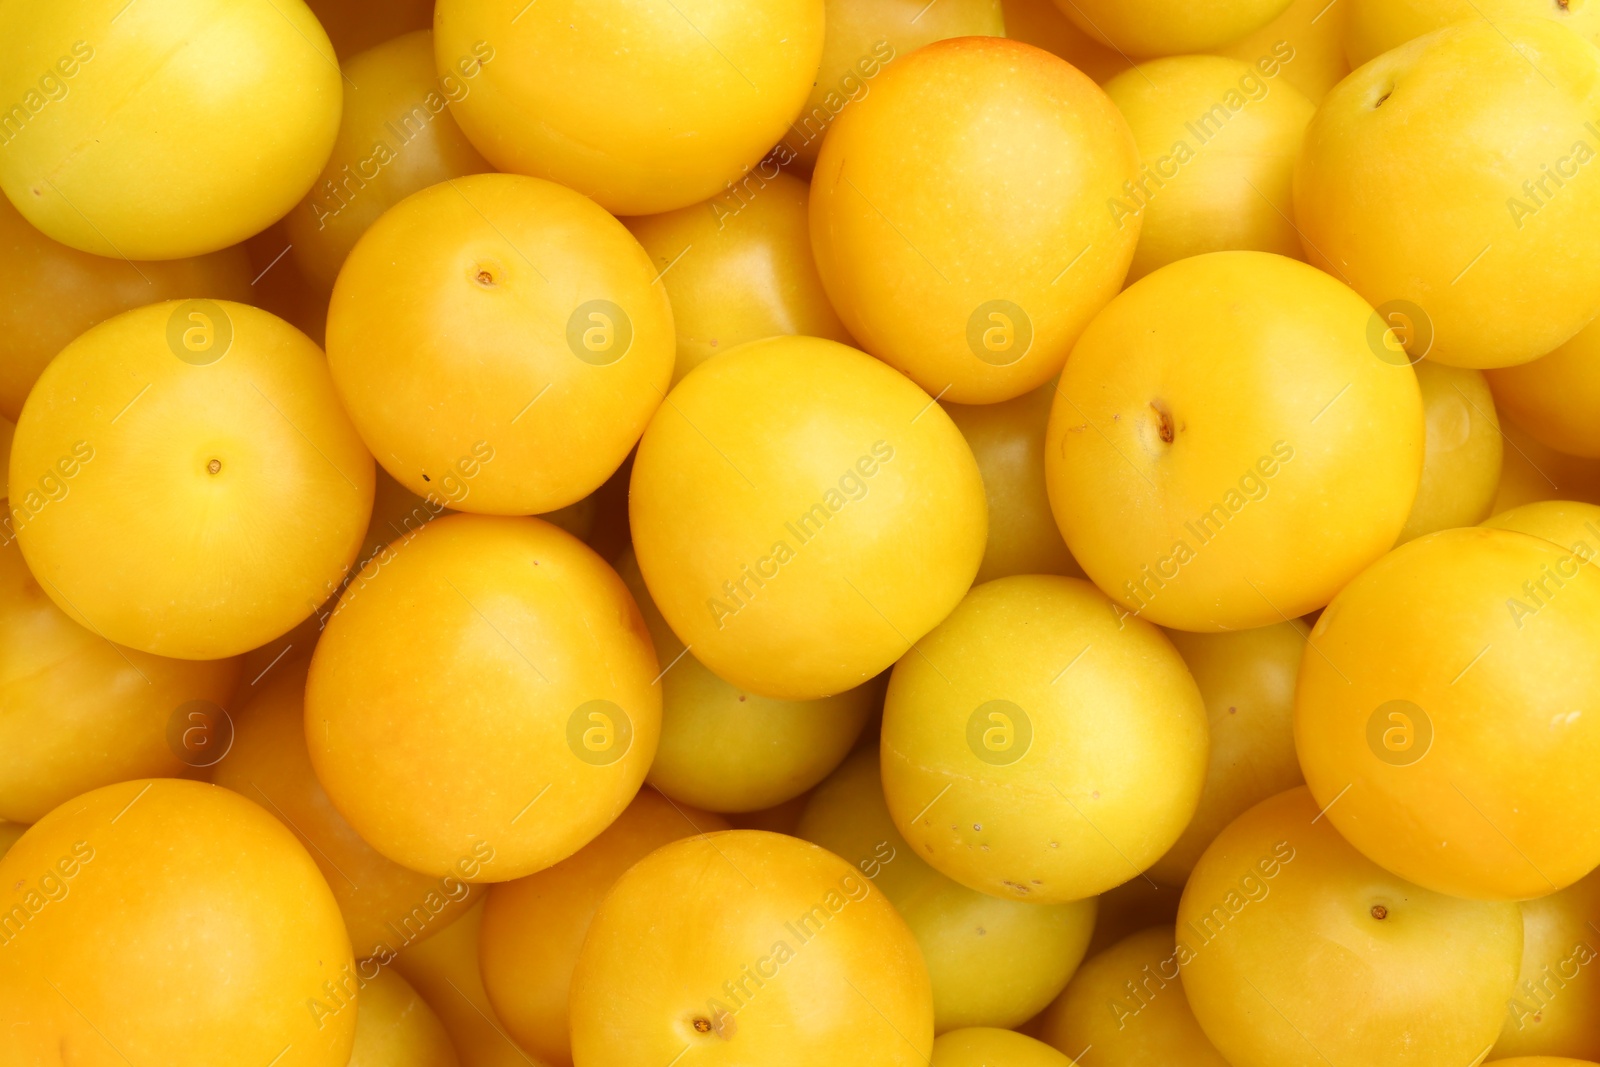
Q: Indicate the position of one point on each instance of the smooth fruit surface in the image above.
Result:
(1227, 449)
(1389, 713)
(533, 927)
(772, 500)
(502, 331)
(1555, 1008)
(1007, 440)
(981, 1046)
(184, 481)
(444, 970)
(1373, 27)
(1038, 748)
(1217, 143)
(1246, 678)
(386, 907)
(863, 37)
(77, 712)
(1126, 1003)
(778, 953)
(1313, 32)
(80, 290)
(396, 137)
(729, 750)
(1556, 396)
(720, 78)
(396, 1028)
(1167, 27)
(126, 136)
(959, 215)
(993, 962)
(739, 268)
(501, 662)
(1484, 265)
(91, 972)
(1357, 938)
(1462, 451)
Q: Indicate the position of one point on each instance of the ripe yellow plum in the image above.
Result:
(1314, 31)
(739, 268)
(445, 971)
(1227, 449)
(503, 663)
(533, 927)
(1390, 713)
(1246, 678)
(1039, 748)
(1041, 24)
(1373, 27)
(1462, 451)
(385, 906)
(172, 922)
(77, 712)
(980, 1046)
(1127, 1004)
(52, 293)
(1570, 524)
(184, 481)
(776, 952)
(396, 1028)
(1217, 142)
(1486, 262)
(993, 962)
(127, 134)
(1289, 938)
(1007, 440)
(772, 501)
(1555, 1008)
(502, 331)
(863, 37)
(1558, 395)
(643, 108)
(1168, 27)
(960, 220)
(725, 749)
(9, 834)
(396, 137)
